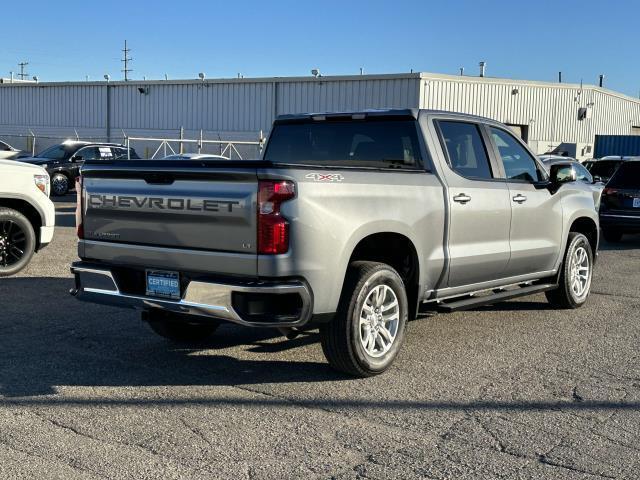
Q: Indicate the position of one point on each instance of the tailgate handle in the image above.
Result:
(158, 179)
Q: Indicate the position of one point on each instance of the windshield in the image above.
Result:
(382, 143)
(57, 152)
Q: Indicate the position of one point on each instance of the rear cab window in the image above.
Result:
(626, 177)
(604, 168)
(378, 143)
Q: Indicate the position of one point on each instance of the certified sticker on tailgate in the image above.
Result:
(162, 283)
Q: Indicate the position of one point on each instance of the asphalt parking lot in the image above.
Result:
(515, 390)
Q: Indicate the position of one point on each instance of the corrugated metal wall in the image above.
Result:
(335, 96)
(551, 112)
(217, 107)
(236, 106)
(53, 106)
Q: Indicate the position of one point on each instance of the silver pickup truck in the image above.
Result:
(352, 223)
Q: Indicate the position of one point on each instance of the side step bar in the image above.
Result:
(468, 303)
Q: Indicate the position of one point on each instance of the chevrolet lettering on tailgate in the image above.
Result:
(161, 203)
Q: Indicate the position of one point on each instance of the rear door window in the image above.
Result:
(88, 153)
(466, 151)
(369, 143)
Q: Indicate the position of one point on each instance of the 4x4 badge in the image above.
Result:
(325, 177)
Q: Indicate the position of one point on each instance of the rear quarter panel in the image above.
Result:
(328, 218)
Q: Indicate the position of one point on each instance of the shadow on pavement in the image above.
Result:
(50, 339)
(628, 242)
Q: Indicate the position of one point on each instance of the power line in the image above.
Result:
(22, 73)
(126, 61)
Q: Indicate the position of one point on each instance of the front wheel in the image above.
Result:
(575, 277)
(17, 241)
(59, 184)
(365, 336)
(177, 328)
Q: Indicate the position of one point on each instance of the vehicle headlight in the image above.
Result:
(42, 182)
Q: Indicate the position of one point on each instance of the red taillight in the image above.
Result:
(609, 191)
(273, 229)
(79, 222)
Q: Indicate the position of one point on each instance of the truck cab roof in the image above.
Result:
(398, 114)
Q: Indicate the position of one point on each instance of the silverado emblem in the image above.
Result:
(325, 177)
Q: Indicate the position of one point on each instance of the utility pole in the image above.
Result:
(126, 61)
(22, 73)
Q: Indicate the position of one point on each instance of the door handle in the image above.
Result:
(519, 198)
(462, 198)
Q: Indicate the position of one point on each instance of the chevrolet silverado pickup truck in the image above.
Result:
(353, 223)
(27, 216)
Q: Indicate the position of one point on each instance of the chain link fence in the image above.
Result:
(232, 145)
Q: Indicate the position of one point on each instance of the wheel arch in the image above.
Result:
(29, 211)
(394, 248)
(589, 228)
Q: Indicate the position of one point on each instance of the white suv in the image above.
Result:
(27, 216)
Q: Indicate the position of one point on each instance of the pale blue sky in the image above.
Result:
(66, 40)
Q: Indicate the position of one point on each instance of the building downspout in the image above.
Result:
(108, 113)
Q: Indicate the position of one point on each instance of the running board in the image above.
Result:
(468, 303)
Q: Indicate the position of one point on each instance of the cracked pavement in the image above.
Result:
(515, 391)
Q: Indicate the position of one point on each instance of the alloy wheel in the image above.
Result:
(379, 321)
(579, 272)
(13, 243)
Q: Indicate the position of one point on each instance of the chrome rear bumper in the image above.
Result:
(206, 299)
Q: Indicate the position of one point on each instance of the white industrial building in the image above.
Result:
(547, 115)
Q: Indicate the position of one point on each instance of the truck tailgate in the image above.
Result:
(165, 210)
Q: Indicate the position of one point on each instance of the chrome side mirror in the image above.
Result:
(562, 173)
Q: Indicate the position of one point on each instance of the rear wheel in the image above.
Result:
(177, 328)
(365, 336)
(575, 276)
(59, 184)
(17, 241)
(612, 236)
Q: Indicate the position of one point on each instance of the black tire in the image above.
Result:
(60, 184)
(17, 241)
(564, 296)
(341, 338)
(612, 236)
(178, 328)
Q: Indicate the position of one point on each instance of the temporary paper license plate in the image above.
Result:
(636, 202)
(161, 283)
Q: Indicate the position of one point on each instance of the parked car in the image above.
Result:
(27, 216)
(195, 156)
(7, 152)
(602, 169)
(620, 209)
(351, 222)
(582, 174)
(63, 161)
(546, 157)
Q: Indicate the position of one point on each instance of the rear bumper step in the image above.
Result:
(223, 301)
(478, 301)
